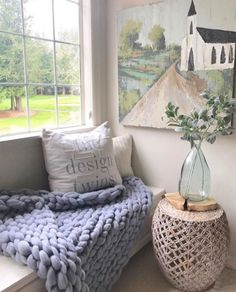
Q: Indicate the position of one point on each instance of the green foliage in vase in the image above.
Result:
(205, 124)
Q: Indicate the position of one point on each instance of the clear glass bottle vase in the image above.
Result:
(195, 178)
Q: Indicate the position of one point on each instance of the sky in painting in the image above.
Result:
(172, 15)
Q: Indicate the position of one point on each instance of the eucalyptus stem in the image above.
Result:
(205, 124)
(203, 170)
(190, 175)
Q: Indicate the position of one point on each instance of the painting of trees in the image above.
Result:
(143, 57)
(129, 38)
(166, 59)
(157, 38)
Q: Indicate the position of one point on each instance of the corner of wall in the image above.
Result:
(231, 262)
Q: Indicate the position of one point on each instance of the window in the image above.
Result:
(231, 54)
(39, 65)
(222, 56)
(191, 61)
(191, 28)
(213, 56)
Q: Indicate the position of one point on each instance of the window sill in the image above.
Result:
(37, 134)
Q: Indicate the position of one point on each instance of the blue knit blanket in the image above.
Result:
(76, 242)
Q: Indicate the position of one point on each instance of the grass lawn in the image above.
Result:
(42, 113)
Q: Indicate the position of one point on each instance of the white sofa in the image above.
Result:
(21, 166)
(15, 277)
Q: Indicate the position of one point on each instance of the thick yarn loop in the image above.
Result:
(76, 242)
(28, 200)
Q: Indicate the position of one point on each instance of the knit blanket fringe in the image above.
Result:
(76, 242)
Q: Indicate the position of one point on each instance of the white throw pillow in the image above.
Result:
(80, 162)
(122, 146)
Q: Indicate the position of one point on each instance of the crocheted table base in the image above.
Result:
(191, 247)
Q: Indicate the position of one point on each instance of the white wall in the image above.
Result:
(158, 154)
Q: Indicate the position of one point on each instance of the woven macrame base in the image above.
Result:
(191, 247)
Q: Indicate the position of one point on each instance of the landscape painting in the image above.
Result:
(173, 50)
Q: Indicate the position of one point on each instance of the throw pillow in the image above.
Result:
(80, 162)
(122, 146)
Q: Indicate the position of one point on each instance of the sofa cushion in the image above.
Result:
(122, 146)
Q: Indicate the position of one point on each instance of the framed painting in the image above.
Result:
(173, 50)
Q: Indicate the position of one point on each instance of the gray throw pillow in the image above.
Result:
(80, 162)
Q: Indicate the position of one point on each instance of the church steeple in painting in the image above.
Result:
(192, 10)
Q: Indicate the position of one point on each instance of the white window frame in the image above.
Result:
(86, 76)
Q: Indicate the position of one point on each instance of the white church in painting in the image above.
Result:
(206, 48)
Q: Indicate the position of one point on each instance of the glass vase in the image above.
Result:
(194, 183)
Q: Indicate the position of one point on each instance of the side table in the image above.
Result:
(191, 247)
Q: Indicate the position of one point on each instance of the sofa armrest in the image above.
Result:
(13, 275)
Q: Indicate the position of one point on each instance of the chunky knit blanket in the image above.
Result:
(76, 242)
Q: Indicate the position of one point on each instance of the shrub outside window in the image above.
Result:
(39, 65)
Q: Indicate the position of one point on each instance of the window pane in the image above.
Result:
(39, 61)
(38, 18)
(40, 66)
(66, 21)
(68, 65)
(42, 107)
(11, 58)
(10, 16)
(13, 116)
(69, 104)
